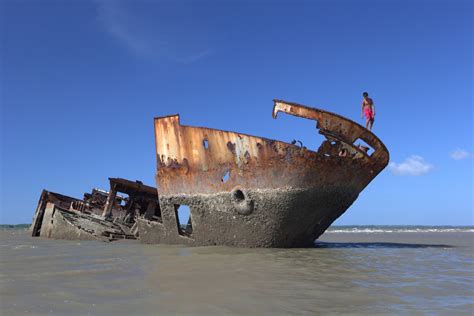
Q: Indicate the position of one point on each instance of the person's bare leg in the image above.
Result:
(371, 124)
(367, 123)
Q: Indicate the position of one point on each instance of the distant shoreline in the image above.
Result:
(14, 226)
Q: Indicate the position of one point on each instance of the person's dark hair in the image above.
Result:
(365, 94)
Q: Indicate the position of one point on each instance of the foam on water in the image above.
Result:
(400, 229)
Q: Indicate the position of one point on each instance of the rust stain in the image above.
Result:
(259, 162)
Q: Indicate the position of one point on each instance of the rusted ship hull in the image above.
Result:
(101, 215)
(55, 219)
(249, 191)
(264, 218)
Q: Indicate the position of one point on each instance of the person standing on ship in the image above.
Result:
(368, 109)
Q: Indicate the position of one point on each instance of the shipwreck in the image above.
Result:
(100, 215)
(241, 190)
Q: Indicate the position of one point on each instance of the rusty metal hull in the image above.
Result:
(101, 215)
(59, 223)
(250, 191)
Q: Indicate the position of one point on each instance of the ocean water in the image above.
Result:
(351, 270)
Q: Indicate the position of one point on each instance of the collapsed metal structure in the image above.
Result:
(244, 190)
(100, 215)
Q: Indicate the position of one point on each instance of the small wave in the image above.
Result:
(367, 230)
(25, 247)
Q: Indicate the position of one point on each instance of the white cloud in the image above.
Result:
(194, 57)
(119, 24)
(150, 33)
(412, 166)
(460, 154)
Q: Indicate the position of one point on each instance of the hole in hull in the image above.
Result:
(238, 195)
(362, 145)
(205, 143)
(226, 176)
(184, 220)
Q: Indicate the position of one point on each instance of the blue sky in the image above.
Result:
(82, 80)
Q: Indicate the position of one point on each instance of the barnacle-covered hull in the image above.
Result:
(250, 191)
(273, 218)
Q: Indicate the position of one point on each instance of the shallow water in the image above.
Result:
(362, 272)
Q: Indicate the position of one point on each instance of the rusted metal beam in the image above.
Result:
(110, 201)
(337, 126)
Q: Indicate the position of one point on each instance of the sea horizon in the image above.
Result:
(352, 229)
(392, 226)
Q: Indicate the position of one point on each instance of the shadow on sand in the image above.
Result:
(375, 245)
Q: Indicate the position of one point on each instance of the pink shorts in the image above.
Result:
(368, 113)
